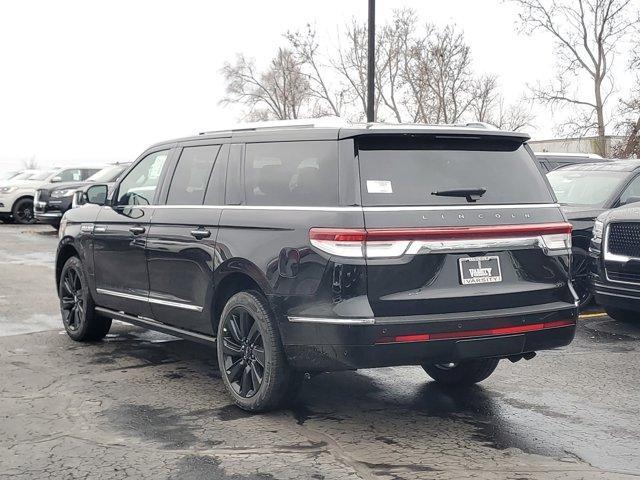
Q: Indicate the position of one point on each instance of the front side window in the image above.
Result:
(631, 194)
(291, 173)
(139, 186)
(189, 182)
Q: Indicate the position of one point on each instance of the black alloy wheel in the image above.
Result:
(580, 277)
(23, 211)
(72, 302)
(80, 319)
(243, 352)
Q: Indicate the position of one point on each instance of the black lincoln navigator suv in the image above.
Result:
(301, 248)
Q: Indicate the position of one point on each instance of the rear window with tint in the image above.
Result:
(291, 173)
(407, 171)
(190, 178)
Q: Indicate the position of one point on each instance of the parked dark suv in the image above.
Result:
(53, 200)
(308, 249)
(584, 192)
(615, 266)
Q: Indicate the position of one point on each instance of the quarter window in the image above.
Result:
(139, 186)
(291, 173)
(189, 182)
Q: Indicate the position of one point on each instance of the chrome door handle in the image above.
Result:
(137, 230)
(200, 234)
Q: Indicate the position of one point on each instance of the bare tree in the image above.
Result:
(630, 114)
(307, 50)
(30, 163)
(423, 74)
(485, 97)
(587, 33)
(351, 65)
(419, 99)
(513, 117)
(390, 79)
(280, 92)
(451, 78)
(489, 106)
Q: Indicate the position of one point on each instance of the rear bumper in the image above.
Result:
(427, 339)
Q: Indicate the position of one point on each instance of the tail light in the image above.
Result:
(393, 243)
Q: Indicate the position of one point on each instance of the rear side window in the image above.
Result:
(291, 173)
(435, 170)
(190, 178)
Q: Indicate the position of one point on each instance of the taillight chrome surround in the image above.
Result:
(552, 238)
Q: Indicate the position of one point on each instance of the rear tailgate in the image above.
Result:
(432, 250)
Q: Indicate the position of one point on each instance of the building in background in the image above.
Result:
(577, 145)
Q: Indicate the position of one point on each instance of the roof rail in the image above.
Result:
(327, 122)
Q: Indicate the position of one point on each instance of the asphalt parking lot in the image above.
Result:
(146, 405)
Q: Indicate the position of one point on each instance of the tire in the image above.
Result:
(22, 211)
(55, 225)
(251, 359)
(622, 315)
(77, 307)
(464, 373)
(580, 276)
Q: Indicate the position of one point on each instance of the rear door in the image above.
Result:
(182, 238)
(454, 225)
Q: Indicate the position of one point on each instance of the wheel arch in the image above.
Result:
(234, 276)
(26, 196)
(22, 197)
(66, 250)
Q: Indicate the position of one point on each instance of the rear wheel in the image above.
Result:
(79, 317)
(22, 211)
(251, 359)
(463, 373)
(622, 315)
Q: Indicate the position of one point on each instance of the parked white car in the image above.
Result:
(16, 194)
(9, 174)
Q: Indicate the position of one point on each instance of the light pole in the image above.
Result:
(371, 63)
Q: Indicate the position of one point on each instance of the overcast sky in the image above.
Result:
(96, 81)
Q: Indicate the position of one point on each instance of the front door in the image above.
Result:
(181, 254)
(120, 235)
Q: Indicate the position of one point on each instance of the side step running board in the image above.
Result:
(157, 326)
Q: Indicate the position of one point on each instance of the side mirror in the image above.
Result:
(97, 194)
(56, 179)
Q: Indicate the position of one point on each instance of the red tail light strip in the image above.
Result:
(448, 233)
(424, 337)
(453, 233)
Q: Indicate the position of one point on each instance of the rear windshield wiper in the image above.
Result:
(467, 193)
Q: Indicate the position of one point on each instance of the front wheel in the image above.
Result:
(580, 276)
(622, 315)
(464, 373)
(251, 359)
(22, 211)
(79, 317)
